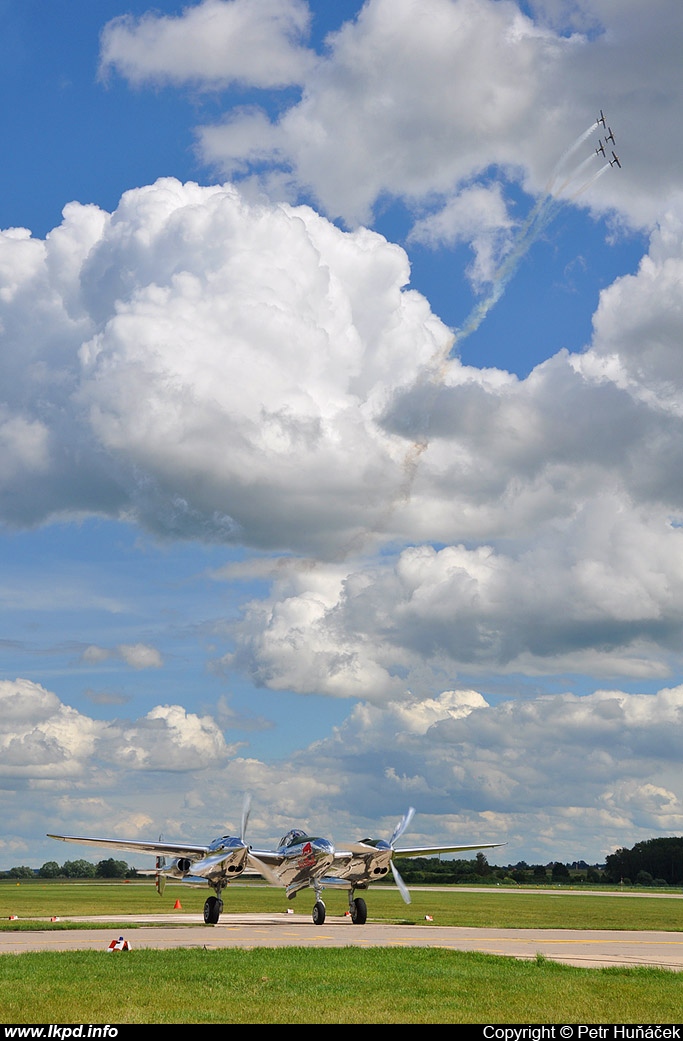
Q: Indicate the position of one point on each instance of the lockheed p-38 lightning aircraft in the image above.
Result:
(299, 861)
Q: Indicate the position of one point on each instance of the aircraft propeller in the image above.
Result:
(257, 864)
(379, 845)
(398, 831)
(246, 810)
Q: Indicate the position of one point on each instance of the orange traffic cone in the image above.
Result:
(177, 906)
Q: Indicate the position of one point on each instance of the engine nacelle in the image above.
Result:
(179, 867)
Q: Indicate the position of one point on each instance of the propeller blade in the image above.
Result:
(402, 825)
(160, 879)
(402, 887)
(246, 810)
(264, 869)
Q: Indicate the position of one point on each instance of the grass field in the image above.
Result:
(496, 908)
(338, 985)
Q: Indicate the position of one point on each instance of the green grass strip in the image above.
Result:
(494, 908)
(350, 985)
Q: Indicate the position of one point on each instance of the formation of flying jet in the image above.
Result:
(300, 861)
(615, 160)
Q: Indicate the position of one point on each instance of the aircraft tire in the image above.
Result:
(359, 911)
(212, 910)
(318, 912)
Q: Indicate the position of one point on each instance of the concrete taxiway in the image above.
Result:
(587, 948)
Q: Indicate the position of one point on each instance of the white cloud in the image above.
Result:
(409, 102)
(577, 469)
(474, 771)
(392, 76)
(41, 738)
(477, 215)
(168, 738)
(44, 739)
(140, 656)
(639, 322)
(213, 367)
(137, 655)
(214, 43)
(221, 369)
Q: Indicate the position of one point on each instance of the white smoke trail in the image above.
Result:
(570, 151)
(538, 219)
(576, 173)
(540, 216)
(593, 179)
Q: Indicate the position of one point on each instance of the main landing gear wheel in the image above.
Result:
(359, 911)
(212, 910)
(318, 912)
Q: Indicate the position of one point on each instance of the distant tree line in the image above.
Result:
(74, 869)
(654, 862)
(430, 871)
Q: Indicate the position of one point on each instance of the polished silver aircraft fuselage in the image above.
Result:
(300, 860)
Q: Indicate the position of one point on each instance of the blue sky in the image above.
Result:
(262, 526)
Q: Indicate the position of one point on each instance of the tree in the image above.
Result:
(78, 869)
(661, 858)
(483, 868)
(50, 869)
(111, 868)
(560, 872)
(21, 872)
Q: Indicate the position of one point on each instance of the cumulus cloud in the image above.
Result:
(508, 772)
(210, 366)
(219, 369)
(475, 771)
(214, 43)
(44, 739)
(556, 500)
(410, 103)
(168, 738)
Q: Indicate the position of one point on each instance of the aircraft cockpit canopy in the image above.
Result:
(293, 837)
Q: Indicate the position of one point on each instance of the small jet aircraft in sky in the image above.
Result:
(615, 160)
(610, 136)
(601, 119)
(300, 861)
(600, 148)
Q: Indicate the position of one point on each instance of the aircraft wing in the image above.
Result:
(432, 851)
(157, 849)
(271, 857)
(360, 849)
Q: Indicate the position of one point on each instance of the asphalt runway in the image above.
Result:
(587, 948)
